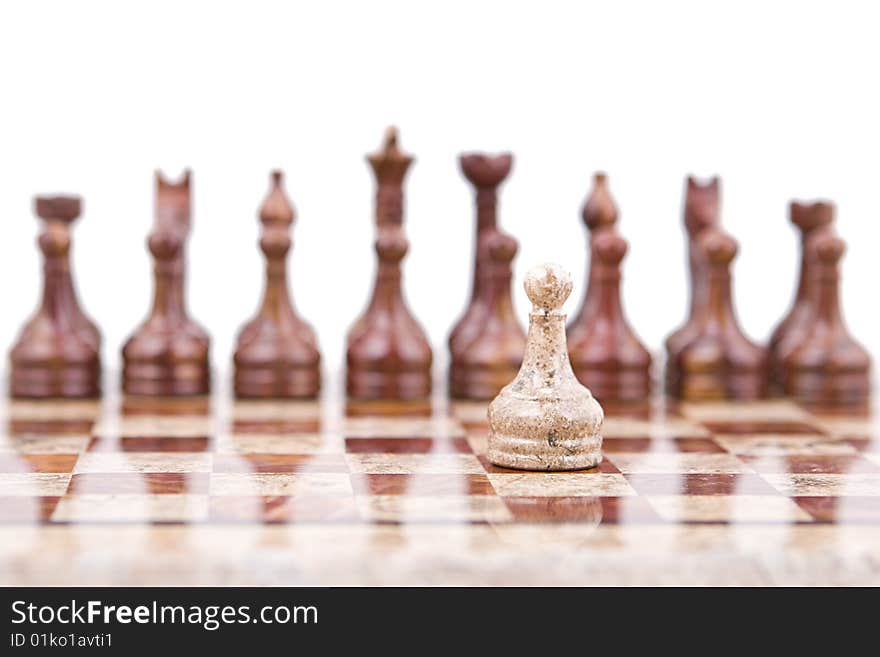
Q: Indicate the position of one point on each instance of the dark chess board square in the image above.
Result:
(588, 510)
(421, 484)
(151, 444)
(271, 509)
(37, 462)
(415, 445)
(646, 444)
(811, 464)
(280, 463)
(700, 484)
(842, 510)
(750, 427)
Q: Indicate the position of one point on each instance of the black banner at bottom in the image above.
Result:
(127, 619)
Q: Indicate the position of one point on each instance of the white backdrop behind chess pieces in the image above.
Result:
(96, 102)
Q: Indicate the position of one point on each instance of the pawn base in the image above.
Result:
(161, 380)
(277, 383)
(821, 388)
(366, 384)
(542, 455)
(46, 382)
(705, 386)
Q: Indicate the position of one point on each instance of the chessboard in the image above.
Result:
(199, 491)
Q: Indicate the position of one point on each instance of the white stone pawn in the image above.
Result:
(545, 419)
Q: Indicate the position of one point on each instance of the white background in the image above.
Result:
(781, 99)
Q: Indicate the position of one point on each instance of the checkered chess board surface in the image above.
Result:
(213, 491)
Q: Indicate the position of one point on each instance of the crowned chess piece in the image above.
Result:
(168, 354)
(545, 419)
(57, 353)
(810, 219)
(487, 342)
(388, 355)
(718, 361)
(702, 211)
(827, 366)
(605, 352)
(277, 351)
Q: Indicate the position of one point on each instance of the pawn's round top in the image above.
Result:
(502, 247)
(610, 248)
(829, 248)
(63, 208)
(719, 247)
(164, 244)
(548, 286)
(54, 241)
(391, 245)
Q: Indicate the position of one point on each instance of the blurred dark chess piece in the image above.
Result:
(718, 361)
(605, 352)
(388, 355)
(809, 219)
(168, 353)
(702, 210)
(277, 351)
(57, 353)
(827, 367)
(486, 345)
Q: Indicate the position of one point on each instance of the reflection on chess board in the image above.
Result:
(188, 491)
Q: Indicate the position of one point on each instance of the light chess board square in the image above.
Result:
(134, 462)
(414, 463)
(33, 484)
(826, 485)
(428, 509)
(131, 508)
(270, 443)
(23, 510)
(728, 508)
(556, 484)
(42, 444)
(292, 484)
(283, 509)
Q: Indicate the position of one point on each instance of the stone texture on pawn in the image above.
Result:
(388, 355)
(827, 366)
(168, 354)
(277, 352)
(605, 352)
(486, 344)
(545, 419)
(702, 211)
(719, 361)
(809, 219)
(57, 352)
